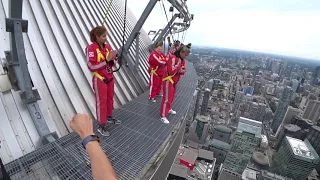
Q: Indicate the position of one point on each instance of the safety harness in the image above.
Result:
(169, 77)
(100, 56)
(154, 71)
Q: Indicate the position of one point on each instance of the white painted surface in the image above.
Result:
(58, 32)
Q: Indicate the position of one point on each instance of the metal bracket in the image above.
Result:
(35, 98)
(137, 52)
(11, 74)
(18, 65)
(10, 24)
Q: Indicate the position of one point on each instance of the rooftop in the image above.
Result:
(260, 158)
(292, 127)
(300, 148)
(179, 170)
(226, 174)
(223, 129)
(202, 118)
(204, 154)
(219, 144)
(249, 126)
(189, 156)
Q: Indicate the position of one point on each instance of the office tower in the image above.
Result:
(275, 67)
(295, 84)
(256, 86)
(290, 130)
(199, 129)
(281, 109)
(220, 149)
(254, 111)
(312, 111)
(222, 133)
(226, 174)
(296, 158)
(314, 138)
(246, 141)
(205, 101)
(196, 108)
(265, 175)
(248, 90)
(209, 84)
(262, 111)
(291, 112)
(237, 100)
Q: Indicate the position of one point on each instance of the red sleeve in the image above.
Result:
(92, 61)
(173, 65)
(183, 67)
(155, 60)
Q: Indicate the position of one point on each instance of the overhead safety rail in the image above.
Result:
(183, 13)
(174, 27)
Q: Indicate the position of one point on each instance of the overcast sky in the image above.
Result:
(289, 27)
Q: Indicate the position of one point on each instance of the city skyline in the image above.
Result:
(284, 28)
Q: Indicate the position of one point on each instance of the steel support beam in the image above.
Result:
(136, 30)
(16, 26)
(167, 28)
(137, 52)
(139, 24)
(156, 35)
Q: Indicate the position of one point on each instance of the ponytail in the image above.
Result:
(97, 31)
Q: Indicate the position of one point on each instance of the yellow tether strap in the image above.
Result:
(100, 56)
(108, 10)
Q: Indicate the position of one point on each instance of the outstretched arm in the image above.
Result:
(100, 165)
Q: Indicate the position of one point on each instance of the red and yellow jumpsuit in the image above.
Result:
(102, 80)
(157, 64)
(175, 68)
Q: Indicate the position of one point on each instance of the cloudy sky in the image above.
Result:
(289, 27)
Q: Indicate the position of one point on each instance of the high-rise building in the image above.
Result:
(275, 67)
(246, 141)
(296, 158)
(205, 101)
(199, 129)
(237, 100)
(220, 149)
(291, 112)
(256, 86)
(254, 111)
(314, 138)
(222, 133)
(248, 90)
(295, 84)
(312, 111)
(281, 109)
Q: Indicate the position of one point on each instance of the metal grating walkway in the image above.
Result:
(130, 147)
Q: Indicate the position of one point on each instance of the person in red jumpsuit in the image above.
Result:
(175, 68)
(100, 61)
(157, 64)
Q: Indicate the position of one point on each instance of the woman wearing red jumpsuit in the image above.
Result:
(100, 60)
(157, 64)
(175, 68)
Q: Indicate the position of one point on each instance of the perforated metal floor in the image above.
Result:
(130, 147)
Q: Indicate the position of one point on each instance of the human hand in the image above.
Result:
(112, 55)
(82, 124)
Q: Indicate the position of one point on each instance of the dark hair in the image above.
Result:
(97, 31)
(181, 49)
